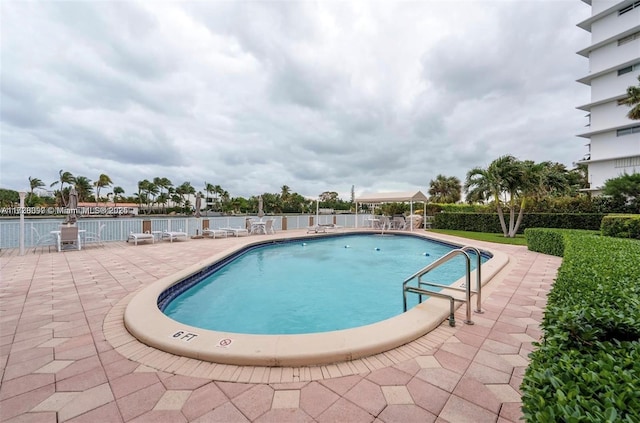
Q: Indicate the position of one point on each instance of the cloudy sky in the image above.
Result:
(319, 96)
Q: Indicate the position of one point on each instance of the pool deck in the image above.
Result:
(65, 356)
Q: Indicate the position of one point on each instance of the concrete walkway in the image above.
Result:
(58, 364)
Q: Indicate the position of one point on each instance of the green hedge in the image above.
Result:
(587, 366)
(490, 222)
(621, 226)
(546, 241)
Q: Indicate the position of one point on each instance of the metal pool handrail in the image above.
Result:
(467, 286)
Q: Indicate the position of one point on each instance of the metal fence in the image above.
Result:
(118, 229)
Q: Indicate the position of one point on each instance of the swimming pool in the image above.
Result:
(313, 286)
(145, 321)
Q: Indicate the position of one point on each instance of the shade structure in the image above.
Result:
(393, 197)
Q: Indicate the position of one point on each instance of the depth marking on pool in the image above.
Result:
(184, 336)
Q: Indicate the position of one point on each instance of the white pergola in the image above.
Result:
(393, 197)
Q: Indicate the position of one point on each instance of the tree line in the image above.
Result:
(509, 185)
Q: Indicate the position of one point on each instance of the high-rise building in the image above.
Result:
(614, 65)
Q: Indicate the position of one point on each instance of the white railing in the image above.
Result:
(118, 229)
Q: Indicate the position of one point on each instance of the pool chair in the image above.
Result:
(316, 229)
(94, 237)
(68, 238)
(44, 240)
(213, 233)
(330, 227)
(268, 227)
(236, 231)
(144, 236)
(171, 235)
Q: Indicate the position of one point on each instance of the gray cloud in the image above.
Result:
(317, 96)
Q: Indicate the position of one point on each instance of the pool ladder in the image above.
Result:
(420, 290)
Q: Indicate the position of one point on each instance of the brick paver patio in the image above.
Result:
(58, 312)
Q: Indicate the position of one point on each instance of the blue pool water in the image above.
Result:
(312, 285)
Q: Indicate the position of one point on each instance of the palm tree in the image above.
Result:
(219, 192)
(117, 191)
(84, 188)
(143, 188)
(445, 189)
(504, 177)
(578, 179)
(162, 200)
(35, 183)
(183, 191)
(285, 191)
(103, 181)
(209, 189)
(633, 101)
(164, 185)
(65, 178)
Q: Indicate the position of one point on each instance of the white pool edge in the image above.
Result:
(149, 325)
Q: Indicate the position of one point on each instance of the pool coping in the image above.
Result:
(145, 322)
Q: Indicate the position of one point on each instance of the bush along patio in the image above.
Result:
(587, 366)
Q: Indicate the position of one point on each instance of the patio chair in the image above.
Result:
(94, 237)
(44, 240)
(316, 229)
(207, 231)
(268, 227)
(171, 235)
(69, 238)
(145, 236)
(398, 222)
(236, 231)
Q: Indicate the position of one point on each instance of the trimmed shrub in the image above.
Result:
(490, 222)
(621, 226)
(587, 366)
(546, 241)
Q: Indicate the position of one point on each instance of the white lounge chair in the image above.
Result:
(330, 227)
(316, 229)
(171, 235)
(236, 231)
(213, 233)
(144, 236)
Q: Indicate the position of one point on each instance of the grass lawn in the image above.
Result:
(483, 236)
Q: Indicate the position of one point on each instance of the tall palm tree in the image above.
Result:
(219, 193)
(164, 185)
(445, 189)
(84, 188)
(504, 177)
(65, 178)
(103, 181)
(183, 191)
(117, 191)
(35, 183)
(285, 191)
(209, 189)
(578, 179)
(633, 101)
(143, 188)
